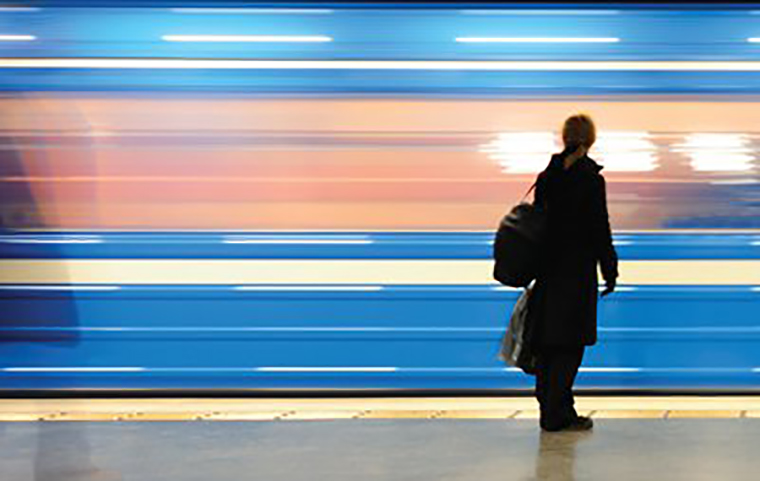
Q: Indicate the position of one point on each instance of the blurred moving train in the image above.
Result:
(303, 197)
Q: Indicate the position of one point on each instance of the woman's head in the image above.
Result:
(579, 130)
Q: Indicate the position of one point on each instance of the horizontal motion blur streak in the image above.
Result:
(255, 11)
(17, 38)
(471, 65)
(248, 38)
(537, 39)
(540, 12)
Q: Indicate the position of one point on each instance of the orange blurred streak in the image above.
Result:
(94, 163)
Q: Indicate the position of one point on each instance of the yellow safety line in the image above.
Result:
(136, 410)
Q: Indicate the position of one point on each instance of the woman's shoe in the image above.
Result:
(581, 423)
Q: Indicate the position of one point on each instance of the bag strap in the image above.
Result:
(532, 187)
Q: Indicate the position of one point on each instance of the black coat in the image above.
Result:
(578, 237)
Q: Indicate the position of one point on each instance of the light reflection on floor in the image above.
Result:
(380, 450)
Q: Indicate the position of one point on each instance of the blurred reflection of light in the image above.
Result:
(298, 238)
(247, 38)
(537, 39)
(255, 11)
(754, 39)
(626, 151)
(101, 133)
(610, 369)
(74, 369)
(326, 369)
(717, 152)
(309, 288)
(17, 38)
(540, 12)
(522, 152)
(429, 65)
(735, 182)
(52, 241)
(20, 9)
(294, 241)
(65, 287)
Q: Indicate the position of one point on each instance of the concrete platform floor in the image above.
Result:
(380, 449)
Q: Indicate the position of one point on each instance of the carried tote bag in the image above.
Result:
(516, 349)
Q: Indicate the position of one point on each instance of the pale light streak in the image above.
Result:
(326, 369)
(17, 38)
(298, 241)
(626, 151)
(19, 9)
(73, 369)
(21, 240)
(70, 287)
(539, 12)
(256, 11)
(610, 369)
(522, 152)
(430, 65)
(537, 39)
(248, 38)
(718, 152)
(309, 288)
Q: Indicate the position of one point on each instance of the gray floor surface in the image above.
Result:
(419, 450)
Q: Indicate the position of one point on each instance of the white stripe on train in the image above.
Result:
(347, 274)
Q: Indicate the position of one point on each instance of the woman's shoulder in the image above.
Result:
(591, 166)
(554, 165)
(591, 172)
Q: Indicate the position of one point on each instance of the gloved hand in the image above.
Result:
(609, 287)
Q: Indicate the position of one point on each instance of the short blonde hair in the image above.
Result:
(579, 130)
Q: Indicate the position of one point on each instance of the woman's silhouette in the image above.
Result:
(578, 237)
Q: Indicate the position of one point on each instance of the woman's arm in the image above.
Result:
(602, 233)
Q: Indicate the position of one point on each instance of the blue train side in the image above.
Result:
(394, 336)
(107, 310)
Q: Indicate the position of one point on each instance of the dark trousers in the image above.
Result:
(557, 368)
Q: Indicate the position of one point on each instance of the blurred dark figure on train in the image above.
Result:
(39, 321)
(572, 190)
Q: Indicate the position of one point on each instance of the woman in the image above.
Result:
(573, 192)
